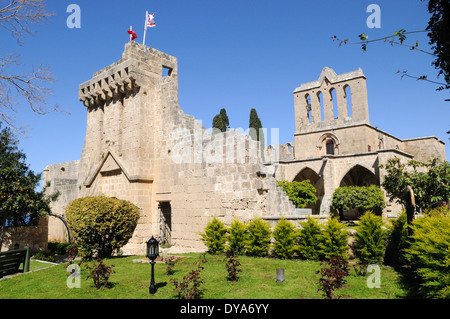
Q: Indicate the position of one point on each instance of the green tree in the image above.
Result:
(237, 237)
(220, 121)
(309, 239)
(429, 253)
(362, 197)
(20, 203)
(333, 240)
(284, 235)
(255, 127)
(370, 239)
(430, 181)
(439, 33)
(397, 241)
(218, 124)
(101, 225)
(301, 193)
(223, 114)
(214, 236)
(258, 242)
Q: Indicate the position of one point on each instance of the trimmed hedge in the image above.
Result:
(101, 225)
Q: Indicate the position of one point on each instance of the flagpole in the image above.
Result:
(131, 36)
(145, 29)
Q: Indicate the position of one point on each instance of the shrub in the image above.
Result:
(333, 240)
(58, 248)
(309, 239)
(171, 261)
(190, 286)
(45, 256)
(284, 235)
(72, 252)
(232, 266)
(397, 241)
(101, 225)
(334, 276)
(370, 240)
(301, 194)
(215, 236)
(100, 273)
(259, 234)
(361, 197)
(429, 254)
(237, 237)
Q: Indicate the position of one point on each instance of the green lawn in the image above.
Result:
(257, 281)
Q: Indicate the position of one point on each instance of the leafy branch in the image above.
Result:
(391, 39)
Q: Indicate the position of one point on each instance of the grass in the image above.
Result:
(256, 281)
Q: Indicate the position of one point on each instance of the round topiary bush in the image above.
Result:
(101, 225)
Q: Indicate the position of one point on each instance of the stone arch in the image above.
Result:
(334, 102)
(317, 181)
(348, 99)
(328, 138)
(320, 99)
(308, 107)
(358, 175)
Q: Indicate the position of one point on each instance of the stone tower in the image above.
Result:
(323, 103)
(141, 147)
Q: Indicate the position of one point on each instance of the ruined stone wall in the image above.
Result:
(62, 178)
(141, 147)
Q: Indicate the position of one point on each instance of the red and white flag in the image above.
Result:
(150, 20)
(132, 35)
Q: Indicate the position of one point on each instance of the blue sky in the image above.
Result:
(236, 55)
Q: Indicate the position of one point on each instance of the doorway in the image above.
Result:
(165, 224)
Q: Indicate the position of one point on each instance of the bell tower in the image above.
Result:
(325, 103)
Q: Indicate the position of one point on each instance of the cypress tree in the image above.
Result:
(223, 114)
(218, 123)
(255, 128)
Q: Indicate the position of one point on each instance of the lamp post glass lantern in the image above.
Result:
(152, 254)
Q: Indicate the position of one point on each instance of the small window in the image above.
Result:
(330, 147)
(166, 71)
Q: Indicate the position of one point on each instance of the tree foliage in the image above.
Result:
(237, 237)
(301, 193)
(333, 240)
(258, 242)
(220, 121)
(308, 240)
(430, 181)
(101, 225)
(439, 34)
(20, 202)
(361, 197)
(371, 238)
(284, 235)
(255, 126)
(429, 253)
(214, 236)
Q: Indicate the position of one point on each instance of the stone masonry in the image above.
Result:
(141, 147)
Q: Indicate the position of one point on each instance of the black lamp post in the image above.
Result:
(152, 253)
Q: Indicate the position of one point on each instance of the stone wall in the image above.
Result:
(34, 237)
(141, 147)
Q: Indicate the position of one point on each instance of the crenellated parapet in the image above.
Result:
(114, 81)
